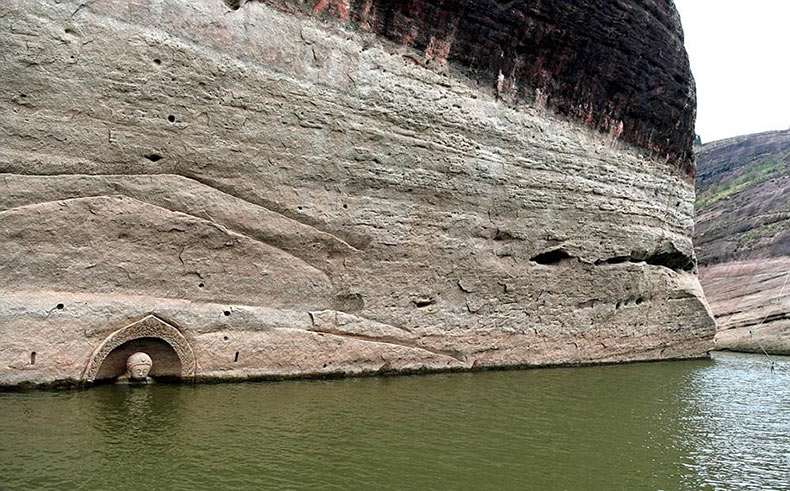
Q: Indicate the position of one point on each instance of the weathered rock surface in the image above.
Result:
(743, 239)
(319, 187)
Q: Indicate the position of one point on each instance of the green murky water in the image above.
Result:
(718, 424)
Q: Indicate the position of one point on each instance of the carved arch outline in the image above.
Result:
(148, 327)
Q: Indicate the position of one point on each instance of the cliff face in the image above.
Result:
(288, 188)
(742, 237)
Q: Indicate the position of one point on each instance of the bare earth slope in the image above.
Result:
(742, 237)
(290, 188)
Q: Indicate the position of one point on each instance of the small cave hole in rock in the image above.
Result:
(227, 313)
(157, 61)
(676, 261)
(613, 260)
(59, 306)
(639, 300)
(32, 357)
(224, 338)
(153, 157)
(345, 207)
(171, 118)
(424, 302)
(551, 257)
(233, 4)
(201, 285)
(236, 358)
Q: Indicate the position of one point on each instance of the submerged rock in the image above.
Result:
(307, 187)
(743, 239)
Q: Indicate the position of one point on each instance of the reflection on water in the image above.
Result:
(722, 423)
(739, 423)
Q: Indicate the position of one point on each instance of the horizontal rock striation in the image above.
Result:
(743, 239)
(619, 66)
(331, 187)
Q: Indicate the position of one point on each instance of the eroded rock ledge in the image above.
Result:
(309, 188)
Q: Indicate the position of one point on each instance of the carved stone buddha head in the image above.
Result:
(138, 365)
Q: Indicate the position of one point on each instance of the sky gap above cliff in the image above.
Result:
(738, 54)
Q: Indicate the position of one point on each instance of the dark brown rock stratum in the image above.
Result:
(286, 188)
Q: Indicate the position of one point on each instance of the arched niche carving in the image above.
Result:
(148, 327)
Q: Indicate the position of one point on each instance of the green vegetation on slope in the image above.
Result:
(755, 175)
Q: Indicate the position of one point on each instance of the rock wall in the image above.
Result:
(743, 239)
(331, 187)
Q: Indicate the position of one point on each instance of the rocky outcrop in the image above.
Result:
(743, 239)
(331, 187)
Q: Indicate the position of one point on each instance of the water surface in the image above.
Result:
(711, 424)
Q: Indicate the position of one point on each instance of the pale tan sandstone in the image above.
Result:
(751, 301)
(319, 205)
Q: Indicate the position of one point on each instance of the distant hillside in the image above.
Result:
(742, 238)
(743, 198)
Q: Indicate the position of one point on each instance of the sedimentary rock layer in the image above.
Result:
(743, 239)
(307, 188)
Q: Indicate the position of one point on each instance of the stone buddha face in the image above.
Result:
(138, 365)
